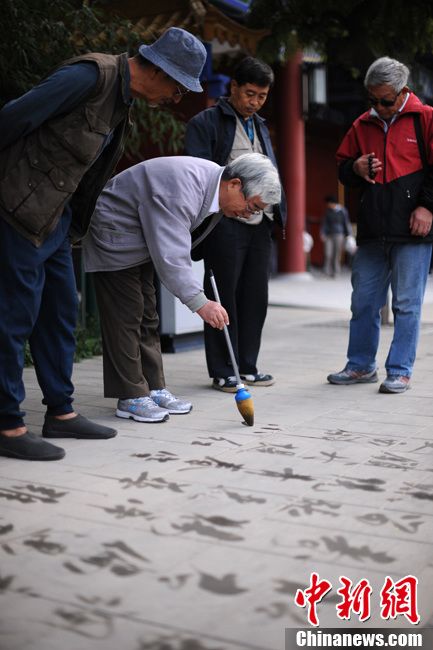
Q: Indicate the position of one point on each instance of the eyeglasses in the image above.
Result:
(386, 103)
(254, 210)
(180, 91)
(251, 209)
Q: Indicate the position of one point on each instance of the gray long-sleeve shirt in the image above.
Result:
(148, 212)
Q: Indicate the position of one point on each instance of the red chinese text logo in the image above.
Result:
(311, 596)
(356, 599)
(396, 598)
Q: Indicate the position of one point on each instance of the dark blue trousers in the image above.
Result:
(38, 303)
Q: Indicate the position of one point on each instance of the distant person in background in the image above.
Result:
(333, 232)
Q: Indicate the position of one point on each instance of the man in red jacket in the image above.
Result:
(388, 154)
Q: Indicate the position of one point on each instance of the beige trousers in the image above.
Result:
(132, 359)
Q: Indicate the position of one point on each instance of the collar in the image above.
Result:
(126, 80)
(215, 203)
(245, 120)
(224, 104)
(374, 113)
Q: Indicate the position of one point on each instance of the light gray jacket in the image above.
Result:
(148, 212)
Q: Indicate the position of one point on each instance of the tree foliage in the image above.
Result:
(154, 126)
(350, 33)
(36, 35)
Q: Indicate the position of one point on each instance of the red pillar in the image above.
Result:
(291, 163)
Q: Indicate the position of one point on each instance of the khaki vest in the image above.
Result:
(242, 144)
(40, 173)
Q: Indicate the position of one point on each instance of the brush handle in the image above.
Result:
(226, 332)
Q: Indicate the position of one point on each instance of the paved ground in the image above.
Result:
(195, 534)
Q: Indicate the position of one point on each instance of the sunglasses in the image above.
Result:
(386, 103)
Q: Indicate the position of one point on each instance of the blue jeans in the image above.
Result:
(38, 302)
(376, 267)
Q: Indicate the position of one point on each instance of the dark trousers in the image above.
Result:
(129, 326)
(38, 303)
(239, 256)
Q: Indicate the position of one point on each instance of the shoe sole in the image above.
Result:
(180, 412)
(138, 418)
(10, 454)
(225, 390)
(270, 382)
(388, 391)
(78, 436)
(370, 380)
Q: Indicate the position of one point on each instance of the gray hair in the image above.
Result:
(257, 175)
(386, 71)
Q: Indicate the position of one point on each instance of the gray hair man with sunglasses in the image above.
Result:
(388, 154)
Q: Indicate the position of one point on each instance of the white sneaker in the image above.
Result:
(166, 400)
(141, 409)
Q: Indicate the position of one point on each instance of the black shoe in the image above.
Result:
(260, 379)
(226, 384)
(29, 446)
(77, 427)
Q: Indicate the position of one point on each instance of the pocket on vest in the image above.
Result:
(34, 191)
(82, 134)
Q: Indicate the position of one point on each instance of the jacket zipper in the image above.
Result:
(384, 180)
(384, 156)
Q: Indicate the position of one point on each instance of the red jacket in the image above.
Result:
(403, 184)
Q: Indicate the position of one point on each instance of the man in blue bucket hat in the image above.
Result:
(59, 144)
(180, 55)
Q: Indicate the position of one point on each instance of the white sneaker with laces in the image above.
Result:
(141, 409)
(166, 400)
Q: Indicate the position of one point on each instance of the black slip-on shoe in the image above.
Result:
(77, 427)
(226, 384)
(259, 379)
(29, 446)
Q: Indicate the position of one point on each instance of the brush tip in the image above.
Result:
(246, 409)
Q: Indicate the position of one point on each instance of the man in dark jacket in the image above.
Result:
(388, 153)
(59, 144)
(238, 251)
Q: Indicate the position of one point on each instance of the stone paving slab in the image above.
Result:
(196, 533)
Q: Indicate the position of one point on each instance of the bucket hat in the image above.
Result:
(180, 54)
